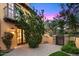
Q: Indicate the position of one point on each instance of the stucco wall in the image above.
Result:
(2, 26)
(77, 42)
(47, 39)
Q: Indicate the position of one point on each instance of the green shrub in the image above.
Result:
(71, 43)
(70, 48)
(33, 27)
(58, 53)
(26, 35)
(7, 39)
(75, 50)
(33, 41)
(2, 52)
(33, 36)
(66, 48)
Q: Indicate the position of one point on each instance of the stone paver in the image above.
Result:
(43, 50)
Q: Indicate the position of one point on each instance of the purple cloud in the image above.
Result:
(50, 16)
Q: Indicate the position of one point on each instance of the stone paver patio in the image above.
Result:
(43, 50)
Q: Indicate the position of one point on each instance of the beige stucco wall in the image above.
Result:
(5, 26)
(73, 39)
(47, 39)
(2, 26)
(77, 42)
(66, 39)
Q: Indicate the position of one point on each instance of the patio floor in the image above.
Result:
(43, 50)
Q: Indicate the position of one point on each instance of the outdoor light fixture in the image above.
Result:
(58, 28)
(13, 32)
(64, 28)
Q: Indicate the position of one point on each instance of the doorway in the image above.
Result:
(60, 40)
(20, 37)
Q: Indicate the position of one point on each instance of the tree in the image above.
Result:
(33, 27)
(69, 13)
(53, 26)
(57, 26)
(61, 24)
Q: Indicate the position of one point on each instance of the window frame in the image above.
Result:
(11, 10)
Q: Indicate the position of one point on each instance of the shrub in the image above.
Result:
(7, 39)
(71, 43)
(26, 35)
(2, 52)
(58, 53)
(70, 48)
(33, 27)
(34, 41)
(67, 48)
(75, 50)
(33, 36)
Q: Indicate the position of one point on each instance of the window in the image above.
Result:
(11, 5)
(11, 10)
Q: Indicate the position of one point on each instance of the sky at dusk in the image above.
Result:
(50, 9)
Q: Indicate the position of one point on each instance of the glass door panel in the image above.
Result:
(20, 37)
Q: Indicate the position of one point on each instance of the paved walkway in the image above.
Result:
(43, 50)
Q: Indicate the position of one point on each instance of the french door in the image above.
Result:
(20, 37)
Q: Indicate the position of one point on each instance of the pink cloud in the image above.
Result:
(50, 16)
